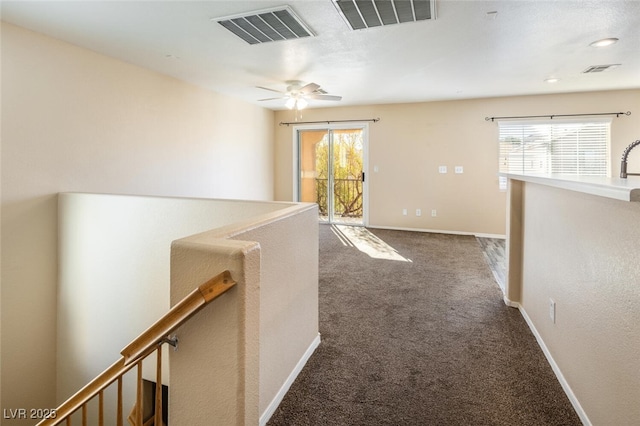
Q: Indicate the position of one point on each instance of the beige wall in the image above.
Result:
(582, 251)
(73, 120)
(271, 329)
(216, 369)
(113, 258)
(288, 299)
(411, 140)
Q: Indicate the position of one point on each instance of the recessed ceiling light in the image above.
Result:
(551, 80)
(604, 42)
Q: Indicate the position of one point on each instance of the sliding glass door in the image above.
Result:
(331, 172)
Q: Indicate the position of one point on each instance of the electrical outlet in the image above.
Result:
(442, 169)
(552, 310)
(418, 212)
(404, 212)
(434, 213)
(459, 169)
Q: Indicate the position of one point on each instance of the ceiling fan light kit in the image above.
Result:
(296, 103)
(291, 102)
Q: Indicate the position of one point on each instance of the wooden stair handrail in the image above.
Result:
(145, 344)
(178, 315)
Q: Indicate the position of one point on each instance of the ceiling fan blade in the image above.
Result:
(271, 90)
(309, 88)
(272, 99)
(324, 97)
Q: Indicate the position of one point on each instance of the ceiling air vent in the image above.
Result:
(361, 14)
(267, 25)
(600, 68)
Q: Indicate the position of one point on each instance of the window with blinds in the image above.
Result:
(568, 148)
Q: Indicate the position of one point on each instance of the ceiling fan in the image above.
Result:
(298, 95)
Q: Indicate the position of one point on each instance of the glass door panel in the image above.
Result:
(347, 175)
(331, 173)
(313, 175)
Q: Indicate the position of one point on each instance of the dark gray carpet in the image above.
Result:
(425, 342)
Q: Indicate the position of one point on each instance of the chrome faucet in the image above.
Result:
(623, 165)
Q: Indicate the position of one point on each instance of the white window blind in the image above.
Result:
(569, 148)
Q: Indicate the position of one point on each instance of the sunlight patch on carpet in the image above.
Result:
(368, 243)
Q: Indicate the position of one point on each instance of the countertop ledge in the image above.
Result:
(616, 188)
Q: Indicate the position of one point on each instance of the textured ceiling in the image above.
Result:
(467, 52)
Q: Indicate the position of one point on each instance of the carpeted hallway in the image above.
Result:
(415, 332)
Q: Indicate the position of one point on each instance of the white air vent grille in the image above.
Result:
(266, 25)
(361, 14)
(600, 68)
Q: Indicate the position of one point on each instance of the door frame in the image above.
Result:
(365, 159)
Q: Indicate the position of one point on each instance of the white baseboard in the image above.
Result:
(497, 236)
(556, 369)
(510, 303)
(275, 402)
(438, 231)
